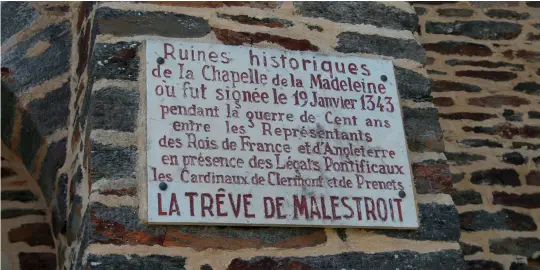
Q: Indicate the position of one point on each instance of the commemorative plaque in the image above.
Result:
(249, 136)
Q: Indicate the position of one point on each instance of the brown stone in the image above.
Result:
(487, 75)
(445, 86)
(504, 177)
(120, 192)
(467, 115)
(533, 178)
(267, 22)
(496, 101)
(230, 37)
(455, 12)
(507, 130)
(216, 4)
(34, 234)
(527, 200)
(529, 56)
(37, 261)
(443, 101)
(524, 246)
(459, 48)
(484, 63)
(433, 178)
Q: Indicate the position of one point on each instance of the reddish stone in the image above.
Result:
(434, 178)
(459, 48)
(230, 37)
(443, 101)
(120, 192)
(487, 75)
(34, 234)
(267, 22)
(445, 86)
(467, 115)
(216, 4)
(527, 200)
(496, 101)
(527, 55)
(533, 178)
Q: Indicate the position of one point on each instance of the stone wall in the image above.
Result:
(119, 235)
(484, 59)
(45, 187)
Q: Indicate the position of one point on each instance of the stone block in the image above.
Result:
(507, 130)
(485, 30)
(422, 129)
(455, 12)
(446, 86)
(74, 220)
(30, 140)
(33, 234)
(534, 115)
(531, 88)
(15, 17)
(484, 63)
(503, 220)
(507, 14)
(134, 261)
(463, 197)
(514, 158)
(511, 115)
(351, 42)
(469, 249)
(458, 48)
(407, 260)
(462, 158)
(505, 177)
(432, 178)
(54, 61)
(166, 24)
(526, 200)
(523, 246)
(475, 116)
(533, 178)
(443, 101)
(114, 109)
(497, 76)
(51, 112)
(18, 196)
(528, 146)
(496, 101)
(267, 22)
(54, 160)
(372, 13)
(230, 37)
(118, 61)
(412, 85)
(9, 105)
(14, 213)
(484, 265)
(34, 260)
(113, 162)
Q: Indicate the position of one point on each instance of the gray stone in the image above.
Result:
(268, 22)
(507, 14)
(437, 223)
(505, 177)
(455, 12)
(534, 115)
(114, 108)
(30, 71)
(511, 115)
(372, 13)
(463, 197)
(423, 129)
(489, 30)
(112, 162)
(514, 158)
(412, 85)
(18, 196)
(457, 177)
(484, 265)
(30, 140)
(503, 220)
(61, 197)
(484, 63)
(15, 17)
(351, 42)
(459, 48)
(51, 112)
(133, 261)
(532, 88)
(524, 246)
(435, 72)
(54, 160)
(9, 104)
(536, 25)
(74, 220)
(14, 213)
(488, 4)
(403, 260)
(117, 61)
(469, 249)
(420, 11)
(445, 86)
(34, 260)
(523, 266)
(480, 143)
(166, 24)
(84, 240)
(533, 4)
(462, 158)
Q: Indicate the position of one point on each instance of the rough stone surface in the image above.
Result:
(8, 107)
(459, 48)
(507, 130)
(496, 101)
(54, 160)
(468, 249)
(463, 197)
(30, 140)
(528, 146)
(51, 113)
(526, 200)
(511, 115)
(117, 61)
(484, 63)
(532, 88)
(437, 223)
(422, 129)
(112, 162)
(435, 72)
(503, 220)
(457, 177)
(489, 30)
(443, 260)
(267, 22)
(524, 246)
(431, 179)
(34, 260)
(467, 115)
(507, 14)
(445, 86)
(230, 37)
(372, 13)
(34, 234)
(505, 177)
(166, 24)
(488, 4)
(443, 101)
(534, 115)
(498, 76)
(480, 143)
(514, 158)
(14, 213)
(412, 85)
(484, 265)
(533, 178)
(115, 108)
(351, 42)
(18, 196)
(462, 158)
(455, 12)
(29, 71)
(15, 17)
(132, 261)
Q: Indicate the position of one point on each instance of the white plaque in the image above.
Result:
(248, 136)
